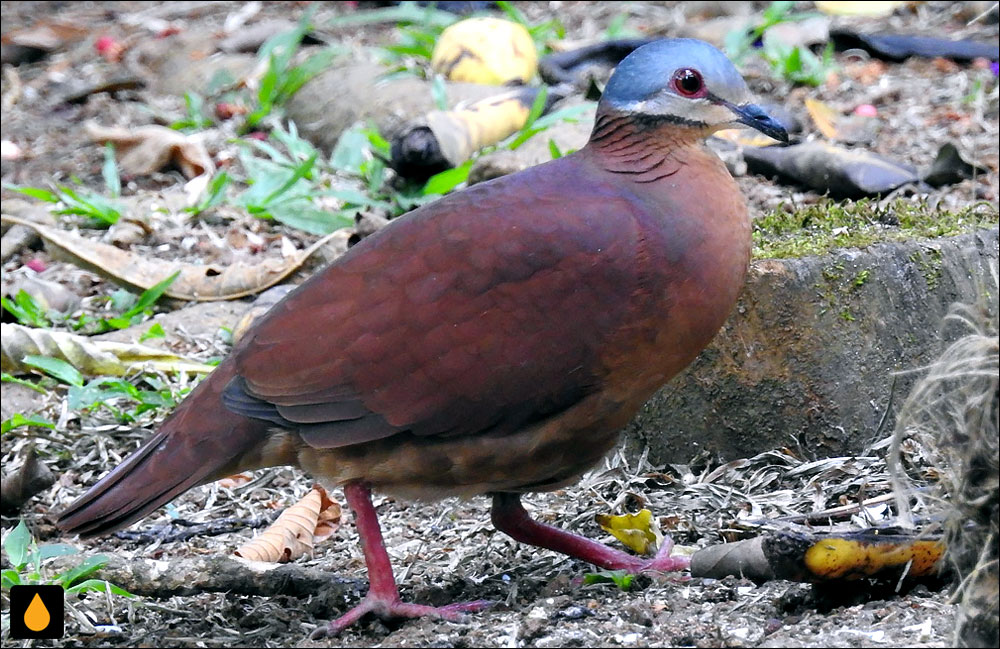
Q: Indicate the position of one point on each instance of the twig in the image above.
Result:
(168, 532)
(161, 578)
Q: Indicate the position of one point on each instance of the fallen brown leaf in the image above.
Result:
(89, 356)
(147, 149)
(32, 478)
(294, 534)
(195, 282)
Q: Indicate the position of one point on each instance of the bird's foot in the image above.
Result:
(664, 561)
(394, 609)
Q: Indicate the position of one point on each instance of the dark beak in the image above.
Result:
(754, 116)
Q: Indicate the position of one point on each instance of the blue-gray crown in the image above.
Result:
(650, 69)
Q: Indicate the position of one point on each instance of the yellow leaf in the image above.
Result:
(745, 137)
(639, 532)
(824, 117)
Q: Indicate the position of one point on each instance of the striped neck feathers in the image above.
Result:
(645, 148)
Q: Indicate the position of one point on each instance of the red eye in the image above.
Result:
(688, 83)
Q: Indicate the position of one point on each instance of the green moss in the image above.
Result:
(835, 289)
(929, 260)
(828, 225)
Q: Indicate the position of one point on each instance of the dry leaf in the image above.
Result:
(195, 282)
(745, 137)
(824, 117)
(32, 478)
(639, 532)
(313, 518)
(45, 35)
(870, 8)
(147, 149)
(92, 357)
(237, 480)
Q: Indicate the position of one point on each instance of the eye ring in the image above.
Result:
(689, 83)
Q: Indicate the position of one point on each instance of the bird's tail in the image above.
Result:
(200, 442)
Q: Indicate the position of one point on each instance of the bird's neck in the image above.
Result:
(643, 148)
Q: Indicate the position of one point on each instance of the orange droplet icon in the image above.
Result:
(37, 617)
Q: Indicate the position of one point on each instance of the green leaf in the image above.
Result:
(777, 12)
(349, 152)
(155, 331)
(121, 299)
(98, 586)
(554, 150)
(50, 550)
(56, 368)
(26, 310)
(7, 378)
(537, 107)
(439, 92)
(88, 204)
(354, 197)
(378, 143)
(10, 578)
(301, 171)
(18, 420)
(150, 296)
(299, 148)
(17, 545)
(36, 192)
(513, 13)
(110, 172)
(214, 194)
(447, 180)
(98, 391)
(620, 578)
(87, 567)
(303, 215)
(404, 13)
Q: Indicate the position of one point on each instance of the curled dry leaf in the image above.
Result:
(195, 282)
(32, 478)
(299, 527)
(87, 355)
(147, 149)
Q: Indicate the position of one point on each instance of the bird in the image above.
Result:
(494, 342)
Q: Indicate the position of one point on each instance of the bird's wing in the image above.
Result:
(483, 311)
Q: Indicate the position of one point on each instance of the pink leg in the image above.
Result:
(383, 595)
(509, 517)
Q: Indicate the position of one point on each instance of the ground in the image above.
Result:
(448, 551)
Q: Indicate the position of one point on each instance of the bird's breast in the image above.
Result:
(692, 252)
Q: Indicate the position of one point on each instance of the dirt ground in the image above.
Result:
(448, 551)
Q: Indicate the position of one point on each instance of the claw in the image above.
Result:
(389, 610)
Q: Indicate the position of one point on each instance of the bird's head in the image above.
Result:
(688, 82)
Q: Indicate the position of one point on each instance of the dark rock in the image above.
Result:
(808, 357)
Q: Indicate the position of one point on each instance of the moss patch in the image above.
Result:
(828, 225)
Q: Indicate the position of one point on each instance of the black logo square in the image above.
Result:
(36, 612)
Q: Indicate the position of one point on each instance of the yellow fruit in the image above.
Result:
(485, 50)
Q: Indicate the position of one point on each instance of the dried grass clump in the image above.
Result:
(952, 414)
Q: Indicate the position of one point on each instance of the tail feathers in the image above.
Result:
(187, 451)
